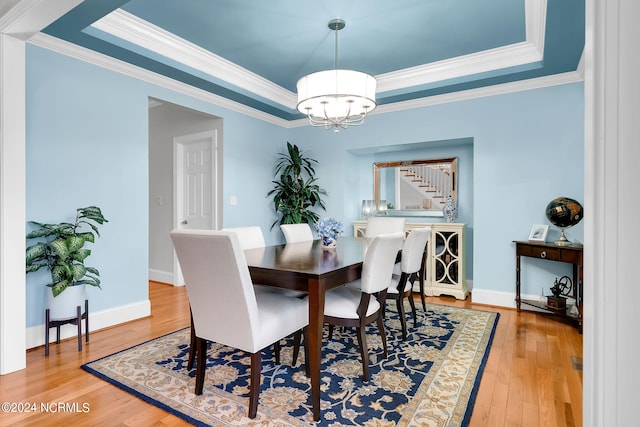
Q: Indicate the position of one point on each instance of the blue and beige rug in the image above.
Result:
(430, 379)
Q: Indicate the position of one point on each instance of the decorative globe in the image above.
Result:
(564, 212)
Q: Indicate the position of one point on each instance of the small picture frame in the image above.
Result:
(539, 233)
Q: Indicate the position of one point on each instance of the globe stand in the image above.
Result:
(562, 240)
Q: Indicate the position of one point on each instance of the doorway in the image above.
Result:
(172, 126)
(194, 160)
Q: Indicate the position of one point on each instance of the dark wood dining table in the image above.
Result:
(308, 267)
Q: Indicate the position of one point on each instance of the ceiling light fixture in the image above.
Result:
(336, 98)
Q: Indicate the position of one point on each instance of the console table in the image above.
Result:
(445, 267)
(571, 254)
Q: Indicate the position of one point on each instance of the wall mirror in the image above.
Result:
(414, 187)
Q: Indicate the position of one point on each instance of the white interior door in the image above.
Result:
(194, 186)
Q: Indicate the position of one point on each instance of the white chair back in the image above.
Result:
(294, 233)
(413, 249)
(379, 260)
(223, 302)
(383, 225)
(250, 237)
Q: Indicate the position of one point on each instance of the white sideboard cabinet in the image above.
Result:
(445, 264)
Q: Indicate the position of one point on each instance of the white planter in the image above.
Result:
(64, 306)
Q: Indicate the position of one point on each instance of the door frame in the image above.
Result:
(179, 144)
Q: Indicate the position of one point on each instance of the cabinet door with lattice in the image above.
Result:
(447, 275)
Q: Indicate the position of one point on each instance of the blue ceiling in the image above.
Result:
(254, 52)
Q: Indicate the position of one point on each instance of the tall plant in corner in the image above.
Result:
(63, 252)
(295, 190)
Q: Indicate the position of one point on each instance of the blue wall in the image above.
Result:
(86, 145)
(527, 150)
(96, 120)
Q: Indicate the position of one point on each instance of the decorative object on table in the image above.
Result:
(450, 211)
(368, 208)
(295, 190)
(382, 207)
(63, 253)
(328, 231)
(539, 233)
(442, 361)
(561, 290)
(564, 213)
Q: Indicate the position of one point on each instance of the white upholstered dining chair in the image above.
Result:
(362, 301)
(407, 271)
(294, 233)
(224, 306)
(250, 237)
(383, 225)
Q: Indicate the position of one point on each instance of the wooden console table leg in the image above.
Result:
(518, 282)
(46, 332)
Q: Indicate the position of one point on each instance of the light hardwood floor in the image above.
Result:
(530, 378)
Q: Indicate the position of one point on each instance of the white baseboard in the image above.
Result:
(161, 276)
(500, 299)
(97, 320)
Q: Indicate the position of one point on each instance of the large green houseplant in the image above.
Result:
(295, 191)
(63, 253)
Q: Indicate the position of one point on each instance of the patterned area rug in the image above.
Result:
(430, 379)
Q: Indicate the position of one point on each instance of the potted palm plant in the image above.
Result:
(295, 191)
(60, 249)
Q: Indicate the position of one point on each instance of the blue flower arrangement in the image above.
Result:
(328, 230)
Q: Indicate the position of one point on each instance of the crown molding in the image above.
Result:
(536, 23)
(580, 68)
(28, 17)
(134, 30)
(480, 62)
(517, 54)
(68, 49)
(501, 89)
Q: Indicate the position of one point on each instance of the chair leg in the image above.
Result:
(383, 335)
(296, 346)
(421, 276)
(401, 314)
(276, 352)
(192, 347)
(413, 309)
(364, 353)
(254, 387)
(201, 364)
(305, 333)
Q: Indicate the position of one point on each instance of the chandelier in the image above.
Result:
(336, 98)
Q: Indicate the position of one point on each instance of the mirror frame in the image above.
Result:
(418, 212)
